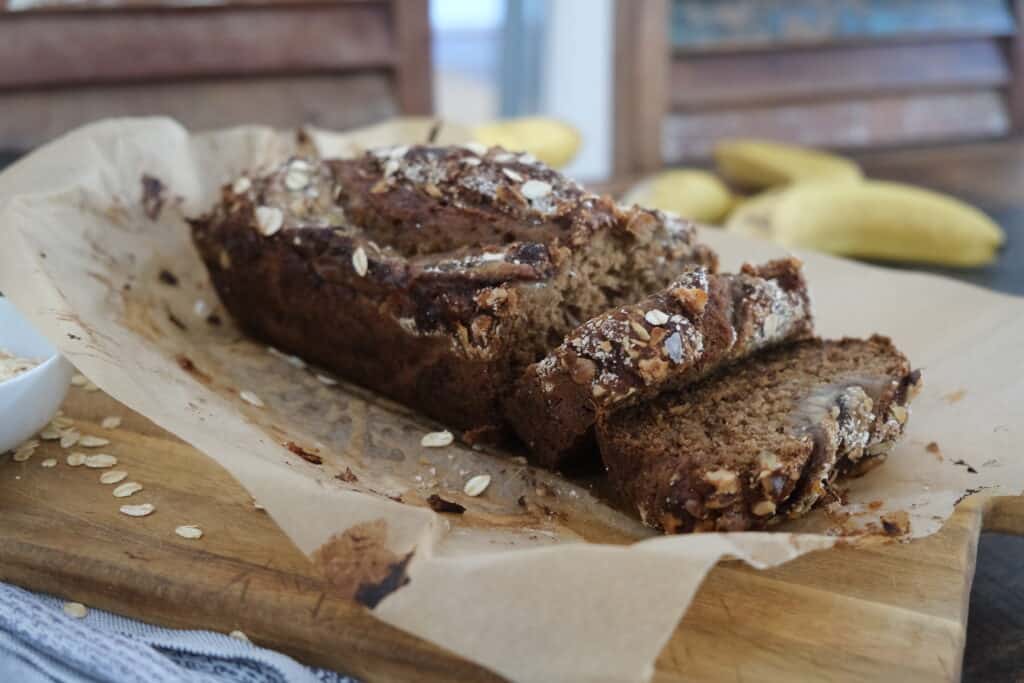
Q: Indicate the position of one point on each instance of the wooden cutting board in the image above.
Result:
(892, 612)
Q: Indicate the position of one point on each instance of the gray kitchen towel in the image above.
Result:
(39, 642)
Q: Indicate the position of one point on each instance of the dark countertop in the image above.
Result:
(990, 175)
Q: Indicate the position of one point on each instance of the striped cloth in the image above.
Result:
(40, 643)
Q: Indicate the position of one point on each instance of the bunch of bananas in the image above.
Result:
(550, 140)
(814, 200)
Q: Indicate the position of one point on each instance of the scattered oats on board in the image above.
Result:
(21, 455)
(189, 531)
(49, 434)
(79, 380)
(239, 635)
(138, 510)
(75, 610)
(89, 441)
(61, 423)
(69, 438)
(91, 386)
(251, 398)
(127, 489)
(100, 461)
(113, 476)
(112, 422)
(75, 459)
(477, 485)
(437, 439)
(25, 451)
(49, 462)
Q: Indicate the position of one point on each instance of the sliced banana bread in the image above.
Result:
(433, 275)
(630, 354)
(760, 441)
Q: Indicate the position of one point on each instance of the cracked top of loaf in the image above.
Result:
(452, 230)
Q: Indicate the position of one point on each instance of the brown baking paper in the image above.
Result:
(539, 579)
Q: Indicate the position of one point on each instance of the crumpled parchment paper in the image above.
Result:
(539, 579)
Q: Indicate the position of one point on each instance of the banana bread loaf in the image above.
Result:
(632, 353)
(433, 275)
(760, 441)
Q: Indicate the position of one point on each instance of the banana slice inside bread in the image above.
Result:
(763, 440)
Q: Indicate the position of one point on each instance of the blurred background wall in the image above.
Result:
(504, 58)
(646, 82)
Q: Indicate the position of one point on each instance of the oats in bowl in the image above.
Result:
(11, 366)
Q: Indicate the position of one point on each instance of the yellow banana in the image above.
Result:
(694, 194)
(552, 141)
(753, 216)
(760, 163)
(886, 221)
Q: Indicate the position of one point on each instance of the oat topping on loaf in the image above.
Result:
(699, 323)
(431, 274)
(763, 440)
(518, 182)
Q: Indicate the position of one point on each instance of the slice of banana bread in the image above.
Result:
(701, 322)
(433, 275)
(763, 440)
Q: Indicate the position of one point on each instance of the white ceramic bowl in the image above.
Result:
(29, 400)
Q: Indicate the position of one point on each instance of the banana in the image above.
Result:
(760, 163)
(695, 194)
(405, 130)
(753, 216)
(885, 221)
(552, 141)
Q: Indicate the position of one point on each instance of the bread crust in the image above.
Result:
(761, 441)
(432, 275)
(698, 324)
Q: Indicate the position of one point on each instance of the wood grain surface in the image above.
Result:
(337, 102)
(790, 76)
(63, 534)
(887, 613)
(89, 48)
(849, 614)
